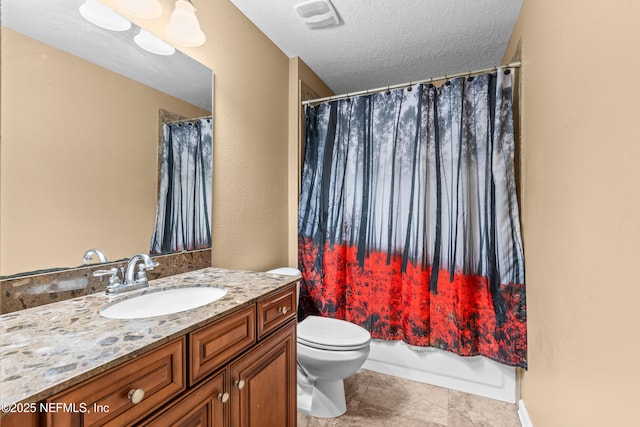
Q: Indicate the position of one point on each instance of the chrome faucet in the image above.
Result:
(86, 259)
(132, 279)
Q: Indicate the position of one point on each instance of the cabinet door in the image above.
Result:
(206, 406)
(263, 383)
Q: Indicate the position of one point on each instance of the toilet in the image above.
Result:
(329, 350)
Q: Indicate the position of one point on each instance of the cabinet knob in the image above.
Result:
(136, 395)
(283, 310)
(223, 397)
(240, 384)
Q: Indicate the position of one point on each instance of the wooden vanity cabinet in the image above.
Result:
(238, 371)
(255, 390)
(124, 394)
(260, 385)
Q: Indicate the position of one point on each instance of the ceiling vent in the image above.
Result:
(317, 14)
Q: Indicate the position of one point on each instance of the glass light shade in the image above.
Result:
(183, 26)
(153, 44)
(145, 9)
(100, 15)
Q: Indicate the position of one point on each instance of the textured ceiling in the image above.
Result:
(378, 43)
(386, 42)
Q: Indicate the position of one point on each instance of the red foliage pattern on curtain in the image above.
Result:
(399, 306)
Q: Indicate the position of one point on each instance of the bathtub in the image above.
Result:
(477, 375)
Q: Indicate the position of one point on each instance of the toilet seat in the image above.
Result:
(325, 333)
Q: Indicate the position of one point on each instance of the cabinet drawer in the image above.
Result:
(213, 345)
(104, 399)
(276, 310)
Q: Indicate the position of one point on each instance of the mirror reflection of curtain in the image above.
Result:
(183, 217)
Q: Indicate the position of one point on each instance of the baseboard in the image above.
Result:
(525, 421)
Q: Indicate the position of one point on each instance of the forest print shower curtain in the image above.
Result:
(408, 219)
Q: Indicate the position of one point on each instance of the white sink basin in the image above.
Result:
(162, 302)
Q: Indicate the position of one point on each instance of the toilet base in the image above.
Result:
(324, 399)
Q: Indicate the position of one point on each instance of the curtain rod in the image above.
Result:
(403, 85)
(193, 119)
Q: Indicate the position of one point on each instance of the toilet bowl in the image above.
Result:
(329, 350)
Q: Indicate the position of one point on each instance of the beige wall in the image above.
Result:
(581, 209)
(78, 158)
(304, 84)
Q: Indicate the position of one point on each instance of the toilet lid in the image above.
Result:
(332, 334)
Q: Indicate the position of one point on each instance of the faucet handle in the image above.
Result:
(114, 280)
(141, 275)
(149, 263)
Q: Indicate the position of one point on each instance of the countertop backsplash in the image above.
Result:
(20, 292)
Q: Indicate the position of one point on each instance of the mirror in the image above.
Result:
(80, 134)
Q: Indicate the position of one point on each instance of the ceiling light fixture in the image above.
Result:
(183, 26)
(100, 15)
(317, 14)
(153, 44)
(145, 9)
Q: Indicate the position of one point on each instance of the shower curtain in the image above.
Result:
(183, 217)
(408, 218)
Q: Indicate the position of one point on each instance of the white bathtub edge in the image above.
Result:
(525, 421)
(476, 375)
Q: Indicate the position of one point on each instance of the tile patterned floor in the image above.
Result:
(378, 400)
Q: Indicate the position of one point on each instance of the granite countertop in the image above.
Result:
(46, 349)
